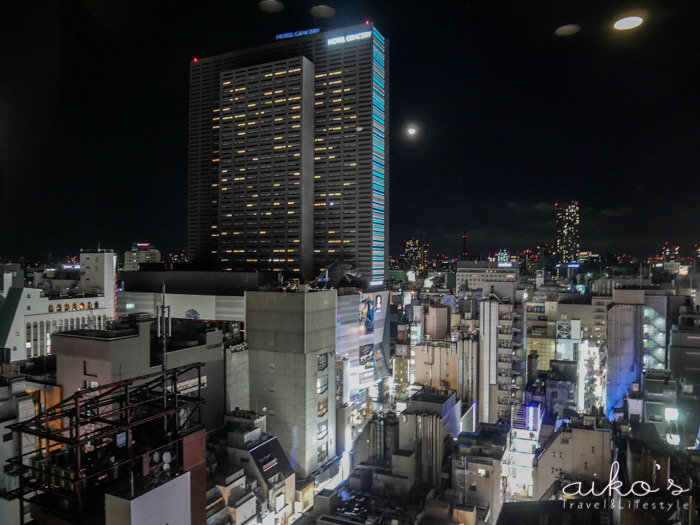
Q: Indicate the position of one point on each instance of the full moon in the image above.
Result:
(411, 130)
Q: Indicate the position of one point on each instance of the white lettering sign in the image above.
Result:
(349, 38)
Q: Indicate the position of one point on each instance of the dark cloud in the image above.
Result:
(545, 207)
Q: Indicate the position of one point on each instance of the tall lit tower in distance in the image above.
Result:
(568, 236)
(416, 255)
(465, 253)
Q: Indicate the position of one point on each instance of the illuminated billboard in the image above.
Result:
(367, 314)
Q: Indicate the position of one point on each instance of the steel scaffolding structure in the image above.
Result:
(125, 436)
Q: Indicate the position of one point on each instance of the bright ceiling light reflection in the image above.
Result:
(629, 22)
(567, 30)
(270, 6)
(322, 11)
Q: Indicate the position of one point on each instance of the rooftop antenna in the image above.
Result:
(464, 245)
(164, 326)
(164, 331)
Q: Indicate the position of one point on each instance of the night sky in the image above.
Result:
(510, 118)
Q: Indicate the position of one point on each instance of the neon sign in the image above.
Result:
(293, 34)
(349, 38)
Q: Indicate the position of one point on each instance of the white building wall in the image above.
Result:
(237, 380)
(582, 453)
(212, 307)
(168, 503)
(33, 324)
(488, 357)
(37, 317)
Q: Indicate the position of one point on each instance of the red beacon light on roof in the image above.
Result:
(195, 59)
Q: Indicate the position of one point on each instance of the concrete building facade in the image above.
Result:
(141, 252)
(291, 342)
(471, 275)
(91, 358)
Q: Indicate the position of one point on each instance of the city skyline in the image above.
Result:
(515, 119)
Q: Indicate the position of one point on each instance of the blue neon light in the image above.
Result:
(378, 35)
(303, 32)
(378, 152)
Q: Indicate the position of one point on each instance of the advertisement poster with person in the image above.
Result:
(367, 315)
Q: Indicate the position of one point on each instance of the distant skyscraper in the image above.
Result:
(141, 252)
(568, 236)
(416, 255)
(288, 155)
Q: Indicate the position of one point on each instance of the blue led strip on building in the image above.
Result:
(378, 153)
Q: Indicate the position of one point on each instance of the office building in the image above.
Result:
(684, 358)
(361, 335)
(500, 363)
(639, 327)
(568, 235)
(288, 155)
(477, 472)
(291, 345)
(141, 252)
(520, 456)
(72, 297)
(91, 358)
(578, 450)
(471, 275)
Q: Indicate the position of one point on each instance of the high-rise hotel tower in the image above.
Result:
(288, 164)
(568, 236)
